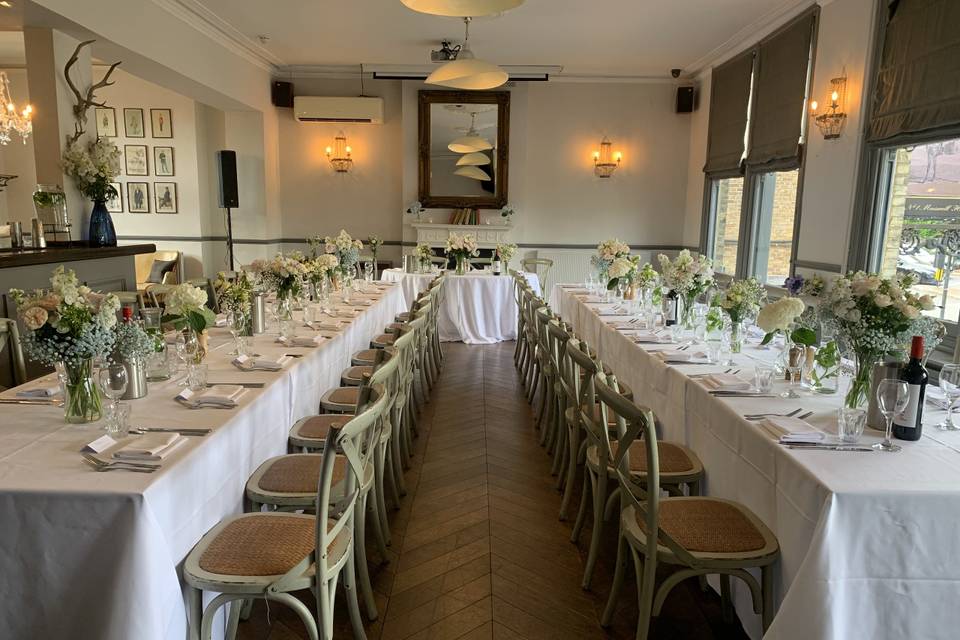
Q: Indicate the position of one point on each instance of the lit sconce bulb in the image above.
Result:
(329, 150)
(28, 110)
(618, 156)
(834, 97)
(813, 106)
(10, 107)
(596, 155)
(349, 150)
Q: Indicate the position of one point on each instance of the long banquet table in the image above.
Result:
(868, 540)
(86, 555)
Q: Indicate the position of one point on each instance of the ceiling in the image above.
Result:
(586, 37)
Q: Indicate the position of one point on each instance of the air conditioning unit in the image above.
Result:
(327, 109)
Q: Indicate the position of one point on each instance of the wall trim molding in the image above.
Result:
(749, 35)
(818, 266)
(220, 31)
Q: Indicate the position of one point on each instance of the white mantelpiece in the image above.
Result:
(488, 235)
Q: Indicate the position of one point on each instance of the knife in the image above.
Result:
(246, 385)
(828, 447)
(185, 431)
(34, 401)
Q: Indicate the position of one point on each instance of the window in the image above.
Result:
(726, 199)
(919, 220)
(773, 226)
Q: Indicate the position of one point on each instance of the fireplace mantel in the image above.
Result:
(435, 234)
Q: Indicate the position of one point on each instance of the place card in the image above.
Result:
(100, 445)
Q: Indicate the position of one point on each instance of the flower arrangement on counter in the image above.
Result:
(68, 326)
(799, 286)
(608, 251)
(282, 274)
(93, 167)
(506, 252)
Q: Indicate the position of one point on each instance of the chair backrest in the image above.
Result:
(10, 335)
(441, 261)
(480, 261)
(540, 267)
(584, 369)
(632, 422)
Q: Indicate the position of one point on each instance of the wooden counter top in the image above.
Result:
(77, 251)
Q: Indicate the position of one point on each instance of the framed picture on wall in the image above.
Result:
(133, 123)
(166, 195)
(163, 161)
(106, 122)
(161, 123)
(135, 159)
(138, 197)
(115, 204)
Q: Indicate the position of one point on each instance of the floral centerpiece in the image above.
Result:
(132, 347)
(607, 252)
(505, 253)
(320, 269)
(507, 212)
(424, 253)
(374, 242)
(688, 277)
(186, 309)
(344, 247)
(647, 280)
(282, 274)
(93, 167)
(874, 317)
(68, 327)
(462, 247)
(741, 299)
(779, 317)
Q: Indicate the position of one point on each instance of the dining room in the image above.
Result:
(479, 319)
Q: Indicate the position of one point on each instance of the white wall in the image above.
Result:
(844, 44)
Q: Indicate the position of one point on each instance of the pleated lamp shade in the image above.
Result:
(461, 8)
(475, 173)
(473, 159)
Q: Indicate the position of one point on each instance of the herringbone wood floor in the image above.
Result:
(478, 551)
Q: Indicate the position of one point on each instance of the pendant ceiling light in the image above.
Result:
(473, 159)
(474, 173)
(466, 72)
(460, 8)
(470, 142)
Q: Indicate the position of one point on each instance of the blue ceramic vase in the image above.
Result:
(102, 233)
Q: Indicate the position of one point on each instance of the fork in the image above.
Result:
(757, 416)
(103, 465)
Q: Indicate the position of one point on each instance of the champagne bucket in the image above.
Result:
(258, 313)
(881, 371)
(136, 379)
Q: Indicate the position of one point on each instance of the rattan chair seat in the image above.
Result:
(709, 526)
(364, 357)
(672, 458)
(317, 427)
(383, 340)
(354, 375)
(299, 473)
(341, 396)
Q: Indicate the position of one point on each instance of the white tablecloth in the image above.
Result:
(86, 555)
(480, 308)
(412, 284)
(868, 540)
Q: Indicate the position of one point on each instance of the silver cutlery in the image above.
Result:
(704, 375)
(32, 401)
(828, 447)
(121, 465)
(805, 415)
(193, 405)
(752, 416)
(740, 394)
(245, 385)
(293, 355)
(183, 432)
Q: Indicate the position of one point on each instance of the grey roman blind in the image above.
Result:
(782, 73)
(729, 102)
(917, 92)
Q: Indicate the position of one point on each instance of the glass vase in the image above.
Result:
(688, 306)
(461, 265)
(736, 336)
(285, 317)
(81, 396)
(101, 231)
(859, 390)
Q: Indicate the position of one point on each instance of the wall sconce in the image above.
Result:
(606, 161)
(339, 154)
(831, 121)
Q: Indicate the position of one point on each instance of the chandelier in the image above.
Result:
(12, 121)
(339, 154)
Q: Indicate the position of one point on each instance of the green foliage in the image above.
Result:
(803, 335)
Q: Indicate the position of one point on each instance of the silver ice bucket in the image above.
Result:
(136, 378)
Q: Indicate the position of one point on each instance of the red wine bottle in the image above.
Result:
(908, 424)
(670, 311)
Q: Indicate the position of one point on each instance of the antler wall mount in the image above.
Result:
(84, 102)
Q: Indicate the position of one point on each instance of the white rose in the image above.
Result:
(882, 300)
(926, 302)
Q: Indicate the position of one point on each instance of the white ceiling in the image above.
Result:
(586, 37)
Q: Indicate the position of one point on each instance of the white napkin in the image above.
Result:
(726, 382)
(324, 326)
(40, 392)
(219, 395)
(670, 355)
(345, 313)
(150, 447)
(792, 430)
(301, 341)
(645, 335)
(935, 397)
(262, 363)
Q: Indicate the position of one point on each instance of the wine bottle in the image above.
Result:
(908, 424)
(670, 308)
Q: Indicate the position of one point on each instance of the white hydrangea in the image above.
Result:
(185, 297)
(779, 315)
(620, 268)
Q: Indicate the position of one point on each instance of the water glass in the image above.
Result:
(850, 424)
(197, 377)
(892, 396)
(949, 382)
(113, 383)
(763, 378)
(118, 422)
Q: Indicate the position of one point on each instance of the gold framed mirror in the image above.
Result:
(463, 149)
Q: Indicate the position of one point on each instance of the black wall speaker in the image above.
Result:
(227, 172)
(685, 102)
(281, 94)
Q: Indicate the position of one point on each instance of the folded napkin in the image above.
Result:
(934, 396)
(262, 363)
(670, 355)
(151, 447)
(219, 395)
(324, 326)
(345, 313)
(792, 430)
(726, 382)
(644, 335)
(301, 341)
(40, 392)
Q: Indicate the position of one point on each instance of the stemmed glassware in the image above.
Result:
(237, 323)
(113, 382)
(892, 396)
(950, 385)
(794, 369)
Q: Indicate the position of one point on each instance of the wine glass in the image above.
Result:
(237, 323)
(113, 383)
(950, 385)
(794, 368)
(892, 398)
(591, 282)
(621, 289)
